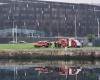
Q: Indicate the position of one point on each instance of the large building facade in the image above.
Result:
(29, 18)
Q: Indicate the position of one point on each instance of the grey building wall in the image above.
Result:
(50, 18)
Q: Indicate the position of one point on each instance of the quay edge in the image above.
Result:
(77, 53)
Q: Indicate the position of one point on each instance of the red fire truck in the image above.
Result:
(69, 42)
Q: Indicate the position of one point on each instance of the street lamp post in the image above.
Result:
(13, 22)
(75, 29)
(13, 31)
(98, 24)
(97, 20)
(16, 34)
(98, 28)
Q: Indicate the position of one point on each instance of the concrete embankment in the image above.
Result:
(77, 53)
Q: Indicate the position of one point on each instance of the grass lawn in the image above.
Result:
(16, 46)
(84, 49)
(30, 46)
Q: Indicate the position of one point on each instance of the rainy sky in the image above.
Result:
(78, 1)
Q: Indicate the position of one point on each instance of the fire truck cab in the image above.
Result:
(69, 42)
(74, 43)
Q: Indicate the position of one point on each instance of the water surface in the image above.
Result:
(49, 70)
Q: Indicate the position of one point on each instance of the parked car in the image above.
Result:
(12, 42)
(21, 42)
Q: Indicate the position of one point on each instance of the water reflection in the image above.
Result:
(49, 70)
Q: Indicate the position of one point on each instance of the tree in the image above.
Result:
(90, 37)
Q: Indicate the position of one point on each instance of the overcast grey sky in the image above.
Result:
(78, 1)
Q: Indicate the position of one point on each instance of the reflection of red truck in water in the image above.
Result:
(69, 70)
(42, 69)
(63, 70)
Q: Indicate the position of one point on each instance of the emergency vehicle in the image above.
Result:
(69, 42)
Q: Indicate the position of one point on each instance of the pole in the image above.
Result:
(98, 27)
(75, 28)
(97, 23)
(76, 77)
(13, 32)
(13, 24)
(16, 34)
(14, 73)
